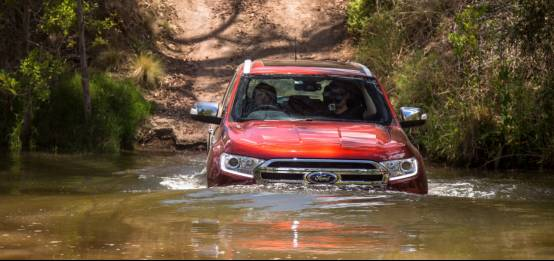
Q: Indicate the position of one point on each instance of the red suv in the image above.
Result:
(310, 122)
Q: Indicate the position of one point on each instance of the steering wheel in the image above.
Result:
(268, 107)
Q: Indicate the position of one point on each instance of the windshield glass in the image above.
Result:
(310, 98)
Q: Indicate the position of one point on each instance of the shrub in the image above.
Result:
(359, 13)
(379, 46)
(147, 70)
(8, 91)
(110, 59)
(117, 110)
(482, 70)
(8, 84)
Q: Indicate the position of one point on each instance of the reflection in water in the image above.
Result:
(312, 237)
(294, 228)
(157, 206)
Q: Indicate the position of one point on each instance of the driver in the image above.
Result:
(339, 102)
(264, 95)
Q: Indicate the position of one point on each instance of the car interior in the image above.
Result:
(307, 98)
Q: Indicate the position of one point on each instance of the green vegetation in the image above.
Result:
(482, 69)
(41, 97)
(117, 112)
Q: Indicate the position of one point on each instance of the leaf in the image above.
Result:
(8, 84)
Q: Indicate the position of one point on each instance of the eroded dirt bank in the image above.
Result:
(210, 38)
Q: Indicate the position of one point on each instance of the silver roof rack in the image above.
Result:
(364, 68)
(247, 66)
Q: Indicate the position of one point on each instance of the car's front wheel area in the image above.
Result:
(417, 184)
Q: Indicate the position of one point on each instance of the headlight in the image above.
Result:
(239, 165)
(401, 169)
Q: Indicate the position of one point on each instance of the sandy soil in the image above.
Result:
(210, 38)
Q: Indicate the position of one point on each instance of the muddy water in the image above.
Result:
(157, 206)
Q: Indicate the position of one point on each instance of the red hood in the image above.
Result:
(312, 139)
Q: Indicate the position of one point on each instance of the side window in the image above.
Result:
(225, 101)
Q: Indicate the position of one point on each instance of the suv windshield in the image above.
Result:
(310, 98)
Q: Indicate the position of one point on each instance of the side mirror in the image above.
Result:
(205, 112)
(412, 117)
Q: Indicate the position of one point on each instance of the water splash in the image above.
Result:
(472, 188)
(185, 181)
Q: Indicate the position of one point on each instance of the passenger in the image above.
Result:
(264, 97)
(340, 103)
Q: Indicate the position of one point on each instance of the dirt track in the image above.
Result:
(210, 38)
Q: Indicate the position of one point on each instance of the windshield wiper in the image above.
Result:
(307, 119)
(328, 119)
(303, 119)
(244, 119)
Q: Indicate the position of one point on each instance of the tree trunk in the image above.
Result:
(26, 127)
(83, 56)
(25, 134)
(26, 25)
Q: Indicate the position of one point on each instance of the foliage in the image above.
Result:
(59, 16)
(147, 70)
(360, 12)
(466, 37)
(38, 52)
(8, 84)
(8, 90)
(379, 53)
(37, 71)
(358, 16)
(118, 109)
(60, 20)
(483, 71)
(26, 90)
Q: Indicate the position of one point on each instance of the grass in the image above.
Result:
(118, 109)
(147, 70)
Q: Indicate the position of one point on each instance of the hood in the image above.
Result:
(315, 139)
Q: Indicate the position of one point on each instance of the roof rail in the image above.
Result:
(247, 66)
(364, 68)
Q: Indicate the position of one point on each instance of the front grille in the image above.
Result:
(361, 178)
(296, 170)
(282, 176)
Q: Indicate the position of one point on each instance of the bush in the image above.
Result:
(110, 60)
(117, 110)
(8, 90)
(147, 70)
(482, 70)
(359, 13)
(379, 46)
